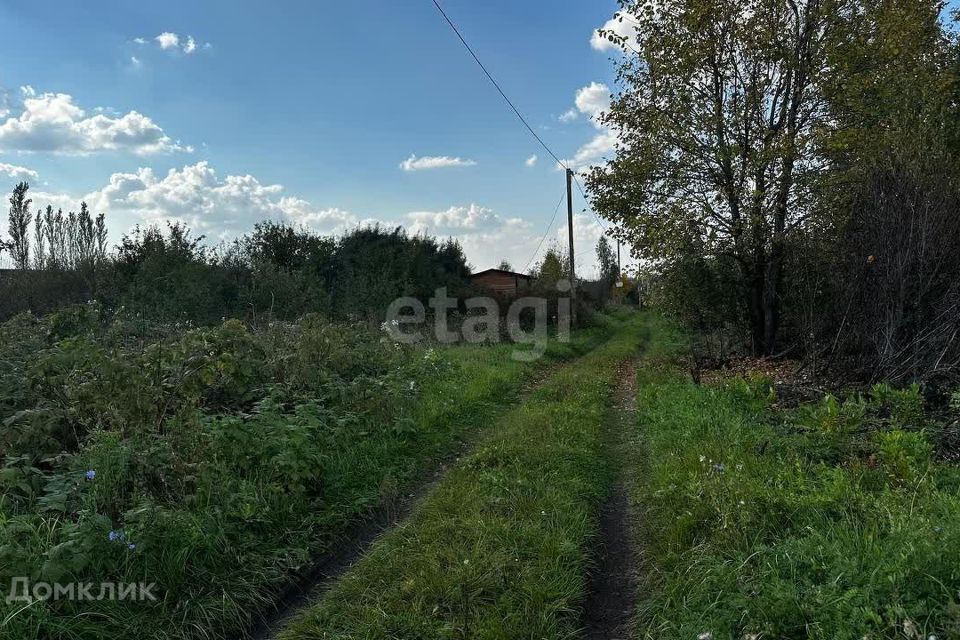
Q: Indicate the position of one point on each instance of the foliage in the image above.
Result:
(824, 521)
(19, 225)
(227, 455)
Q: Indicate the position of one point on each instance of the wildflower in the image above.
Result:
(413, 385)
(706, 635)
(719, 468)
(115, 536)
(703, 459)
(91, 474)
(132, 547)
(466, 562)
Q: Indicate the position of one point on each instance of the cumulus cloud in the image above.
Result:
(170, 41)
(623, 28)
(52, 122)
(568, 116)
(15, 171)
(413, 163)
(196, 195)
(593, 100)
(600, 147)
(531, 161)
(219, 207)
(471, 218)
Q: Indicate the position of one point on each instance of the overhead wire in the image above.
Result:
(546, 233)
(523, 120)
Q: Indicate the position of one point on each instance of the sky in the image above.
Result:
(324, 113)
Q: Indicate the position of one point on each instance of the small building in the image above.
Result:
(500, 282)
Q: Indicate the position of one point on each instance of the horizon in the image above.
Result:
(168, 113)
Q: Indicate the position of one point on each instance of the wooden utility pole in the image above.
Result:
(573, 272)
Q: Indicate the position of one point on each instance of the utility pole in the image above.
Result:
(573, 272)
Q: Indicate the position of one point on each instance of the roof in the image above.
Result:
(512, 274)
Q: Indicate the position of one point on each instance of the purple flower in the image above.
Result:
(131, 546)
(91, 474)
(115, 536)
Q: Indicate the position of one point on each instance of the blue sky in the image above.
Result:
(324, 99)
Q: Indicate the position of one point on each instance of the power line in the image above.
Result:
(545, 233)
(497, 85)
(526, 124)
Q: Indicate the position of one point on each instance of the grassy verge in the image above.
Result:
(213, 462)
(826, 521)
(500, 548)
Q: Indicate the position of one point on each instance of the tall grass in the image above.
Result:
(828, 521)
(226, 457)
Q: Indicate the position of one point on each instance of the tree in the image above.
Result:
(607, 261)
(505, 266)
(19, 229)
(716, 135)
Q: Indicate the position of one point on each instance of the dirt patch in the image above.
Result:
(612, 588)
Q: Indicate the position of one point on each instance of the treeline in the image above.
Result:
(277, 270)
(790, 171)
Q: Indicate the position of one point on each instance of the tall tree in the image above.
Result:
(19, 229)
(716, 135)
(607, 261)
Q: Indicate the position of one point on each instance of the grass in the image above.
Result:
(500, 548)
(826, 522)
(275, 444)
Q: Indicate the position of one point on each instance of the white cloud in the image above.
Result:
(168, 40)
(413, 163)
(470, 218)
(195, 195)
(15, 171)
(140, 40)
(135, 62)
(624, 28)
(593, 100)
(52, 122)
(531, 161)
(592, 153)
(568, 116)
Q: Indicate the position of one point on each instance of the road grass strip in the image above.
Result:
(828, 521)
(500, 548)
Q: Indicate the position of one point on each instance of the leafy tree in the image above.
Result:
(19, 229)
(551, 270)
(716, 135)
(607, 261)
(505, 266)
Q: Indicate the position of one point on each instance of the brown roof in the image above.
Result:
(512, 274)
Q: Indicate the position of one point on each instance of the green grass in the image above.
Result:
(826, 522)
(228, 457)
(500, 548)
